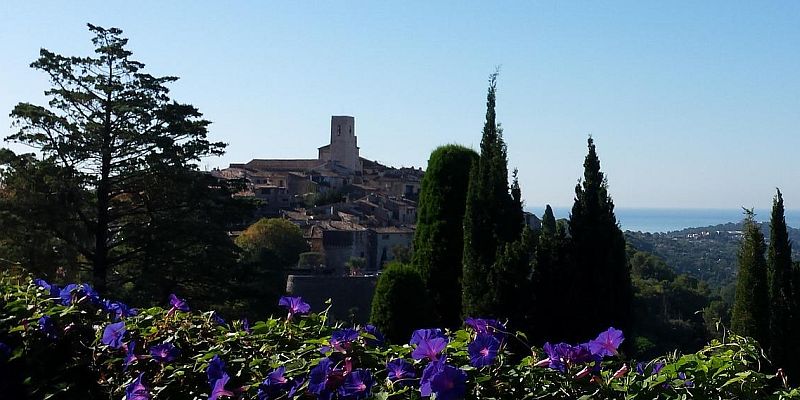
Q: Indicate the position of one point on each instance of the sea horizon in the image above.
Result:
(655, 220)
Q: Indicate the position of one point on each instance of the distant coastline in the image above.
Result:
(673, 219)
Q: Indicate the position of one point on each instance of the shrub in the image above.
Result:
(400, 303)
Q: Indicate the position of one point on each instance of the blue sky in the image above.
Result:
(691, 104)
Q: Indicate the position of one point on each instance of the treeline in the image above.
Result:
(476, 257)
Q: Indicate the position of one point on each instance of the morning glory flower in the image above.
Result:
(89, 292)
(216, 318)
(218, 389)
(137, 390)
(425, 334)
(429, 349)
(657, 367)
(295, 305)
(246, 326)
(113, 334)
(54, 291)
(400, 369)
(342, 339)
(449, 383)
(483, 350)
(323, 379)
(428, 373)
(606, 343)
(130, 355)
(372, 330)
(47, 327)
(562, 355)
(118, 310)
(215, 370)
(165, 352)
(66, 294)
(356, 385)
(177, 304)
(686, 382)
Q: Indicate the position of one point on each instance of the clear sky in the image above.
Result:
(691, 104)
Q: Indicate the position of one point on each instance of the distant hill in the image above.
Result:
(708, 253)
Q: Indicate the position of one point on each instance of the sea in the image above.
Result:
(674, 219)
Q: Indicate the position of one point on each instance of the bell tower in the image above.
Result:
(344, 145)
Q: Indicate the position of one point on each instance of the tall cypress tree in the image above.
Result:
(600, 278)
(751, 306)
(439, 237)
(492, 217)
(779, 274)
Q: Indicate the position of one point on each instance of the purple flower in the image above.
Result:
(54, 291)
(563, 355)
(399, 370)
(118, 310)
(66, 294)
(686, 382)
(89, 292)
(218, 388)
(177, 304)
(130, 355)
(483, 350)
(246, 326)
(323, 380)
(47, 327)
(428, 373)
(657, 368)
(275, 383)
(640, 368)
(137, 390)
(295, 305)
(606, 343)
(113, 335)
(215, 370)
(374, 332)
(356, 385)
(449, 383)
(429, 348)
(165, 352)
(425, 334)
(216, 318)
(343, 339)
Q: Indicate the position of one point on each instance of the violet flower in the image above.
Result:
(399, 370)
(47, 327)
(295, 305)
(215, 370)
(429, 348)
(374, 332)
(449, 383)
(130, 355)
(113, 334)
(53, 290)
(165, 352)
(424, 334)
(275, 385)
(428, 373)
(324, 380)
(357, 385)
(342, 340)
(606, 343)
(137, 390)
(218, 388)
(177, 304)
(483, 350)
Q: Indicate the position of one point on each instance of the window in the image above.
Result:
(338, 130)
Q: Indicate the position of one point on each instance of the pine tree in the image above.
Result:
(439, 236)
(779, 273)
(491, 219)
(600, 284)
(750, 315)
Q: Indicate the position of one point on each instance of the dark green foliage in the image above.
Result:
(666, 307)
(439, 236)
(779, 274)
(552, 262)
(311, 260)
(112, 129)
(400, 304)
(492, 217)
(600, 278)
(751, 307)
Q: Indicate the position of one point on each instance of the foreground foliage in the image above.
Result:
(69, 343)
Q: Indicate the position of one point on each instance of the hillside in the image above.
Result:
(708, 253)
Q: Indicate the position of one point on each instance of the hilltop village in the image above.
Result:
(347, 206)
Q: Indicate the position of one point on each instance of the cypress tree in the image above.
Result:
(600, 278)
(548, 222)
(551, 264)
(400, 305)
(750, 315)
(779, 274)
(491, 219)
(439, 237)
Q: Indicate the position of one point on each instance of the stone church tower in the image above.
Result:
(343, 149)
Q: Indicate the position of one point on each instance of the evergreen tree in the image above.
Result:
(750, 315)
(551, 263)
(400, 304)
(491, 219)
(599, 281)
(439, 236)
(112, 128)
(548, 222)
(779, 274)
